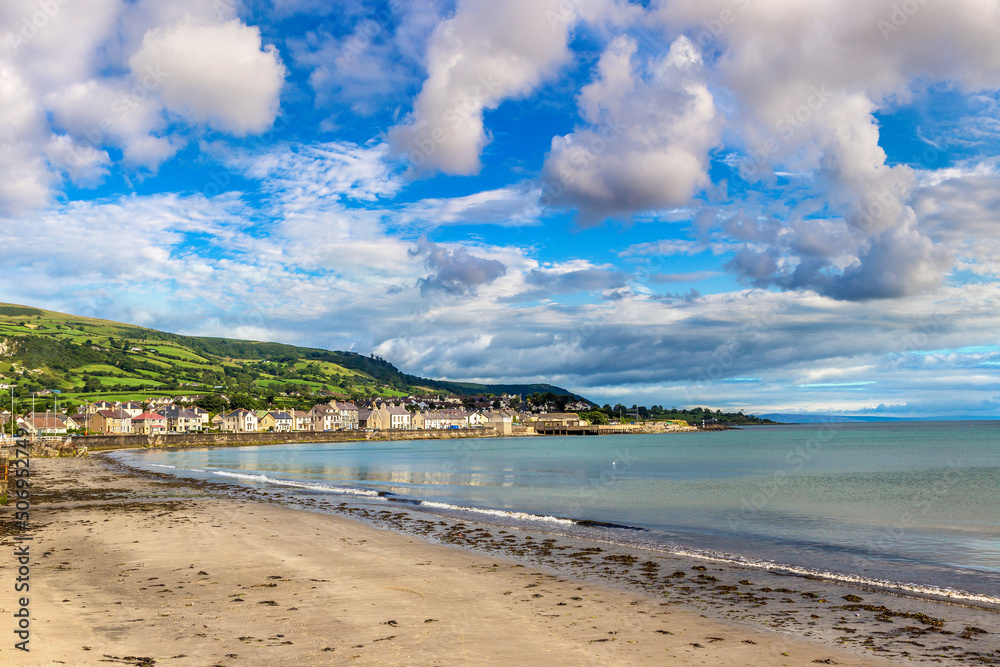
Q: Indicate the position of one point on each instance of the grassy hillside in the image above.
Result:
(88, 359)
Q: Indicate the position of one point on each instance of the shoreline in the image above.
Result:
(142, 571)
(927, 591)
(821, 608)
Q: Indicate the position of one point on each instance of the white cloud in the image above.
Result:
(84, 165)
(119, 113)
(215, 74)
(651, 124)
(25, 178)
(486, 53)
(302, 176)
(511, 206)
(803, 82)
(378, 61)
(79, 77)
(958, 208)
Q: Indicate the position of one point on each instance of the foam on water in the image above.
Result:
(744, 561)
(309, 486)
(506, 514)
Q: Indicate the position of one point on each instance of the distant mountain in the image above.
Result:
(85, 358)
(786, 418)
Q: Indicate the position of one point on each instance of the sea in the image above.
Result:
(913, 506)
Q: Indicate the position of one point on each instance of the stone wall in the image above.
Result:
(106, 442)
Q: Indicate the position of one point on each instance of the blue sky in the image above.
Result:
(768, 205)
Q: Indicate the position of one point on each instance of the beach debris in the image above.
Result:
(391, 623)
(853, 598)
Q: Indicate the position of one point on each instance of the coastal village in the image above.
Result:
(169, 415)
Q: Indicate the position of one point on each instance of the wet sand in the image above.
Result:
(140, 571)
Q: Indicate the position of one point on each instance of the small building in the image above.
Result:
(557, 420)
(111, 422)
(149, 423)
(43, 423)
(202, 415)
(132, 408)
(280, 422)
(300, 420)
(240, 421)
(393, 417)
(438, 419)
(369, 419)
(348, 413)
(97, 406)
(323, 417)
(180, 420)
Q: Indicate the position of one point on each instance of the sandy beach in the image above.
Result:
(137, 571)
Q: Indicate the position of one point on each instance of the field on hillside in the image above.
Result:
(86, 359)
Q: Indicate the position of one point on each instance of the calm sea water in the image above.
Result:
(915, 503)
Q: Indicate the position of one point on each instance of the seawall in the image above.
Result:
(97, 443)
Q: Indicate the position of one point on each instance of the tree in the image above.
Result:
(212, 403)
(244, 401)
(514, 402)
(595, 417)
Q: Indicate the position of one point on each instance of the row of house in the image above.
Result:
(130, 418)
(121, 418)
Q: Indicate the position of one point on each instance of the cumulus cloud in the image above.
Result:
(805, 82)
(83, 164)
(958, 209)
(485, 54)
(651, 125)
(457, 272)
(217, 74)
(117, 113)
(79, 78)
(25, 177)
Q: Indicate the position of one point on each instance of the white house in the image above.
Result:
(240, 420)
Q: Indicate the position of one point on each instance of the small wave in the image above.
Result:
(519, 516)
(313, 486)
(918, 589)
(159, 465)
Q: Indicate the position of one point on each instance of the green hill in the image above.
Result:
(86, 359)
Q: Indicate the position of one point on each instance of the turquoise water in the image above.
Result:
(916, 503)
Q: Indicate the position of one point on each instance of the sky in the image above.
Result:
(759, 205)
